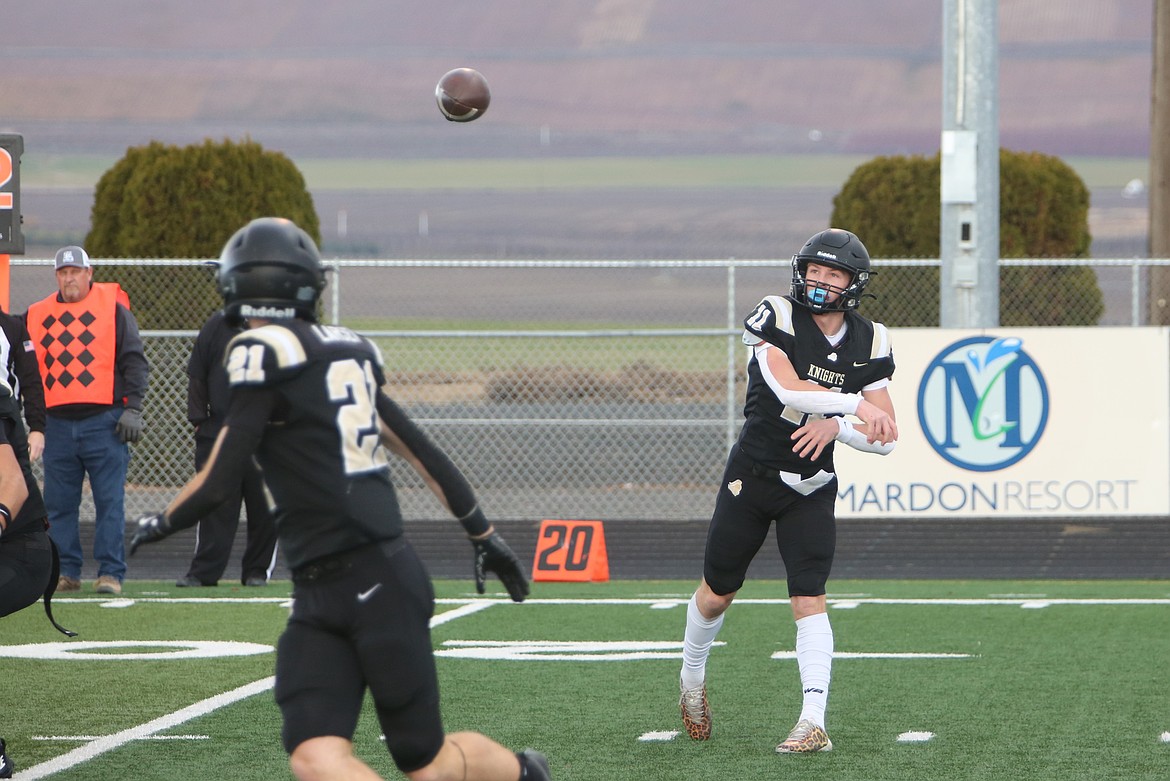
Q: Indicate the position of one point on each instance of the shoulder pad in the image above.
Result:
(255, 356)
(771, 318)
(882, 345)
(379, 362)
(375, 350)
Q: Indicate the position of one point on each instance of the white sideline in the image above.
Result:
(145, 731)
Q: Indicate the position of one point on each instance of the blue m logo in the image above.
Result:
(983, 403)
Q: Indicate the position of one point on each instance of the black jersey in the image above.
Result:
(323, 463)
(20, 370)
(862, 357)
(31, 516)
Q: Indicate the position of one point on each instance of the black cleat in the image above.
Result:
(533, 766)
(190, 581)
(7, 766)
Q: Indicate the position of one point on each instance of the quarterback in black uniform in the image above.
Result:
(813, 361)
(307, 402)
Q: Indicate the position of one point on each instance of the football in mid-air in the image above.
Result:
(463, 95)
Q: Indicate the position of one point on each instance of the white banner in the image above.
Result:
(1021, 422)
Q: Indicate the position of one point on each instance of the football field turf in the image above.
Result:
(932, 680)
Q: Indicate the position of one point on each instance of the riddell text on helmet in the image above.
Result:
(268, 312)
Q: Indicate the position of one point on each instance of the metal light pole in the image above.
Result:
(1159, 190)
(969, 235)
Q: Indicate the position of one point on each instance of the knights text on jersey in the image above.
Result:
(322, 460)
(863, 357)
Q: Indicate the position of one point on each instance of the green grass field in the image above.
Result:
(1028, 680)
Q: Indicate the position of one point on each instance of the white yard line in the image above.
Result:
(464, 607)
(91, 738)
(118, 739)
(460, 612)
(101, 745)
(916, 737)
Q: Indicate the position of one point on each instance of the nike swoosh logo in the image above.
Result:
(364, 596)
(863, 363)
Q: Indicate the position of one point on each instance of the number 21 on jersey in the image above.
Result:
(352, 383)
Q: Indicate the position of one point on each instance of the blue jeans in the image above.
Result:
(74, 448)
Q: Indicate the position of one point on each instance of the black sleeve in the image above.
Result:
(248, 414)
(458, 491)
(198, 402)
(28, 374)
(131, 359)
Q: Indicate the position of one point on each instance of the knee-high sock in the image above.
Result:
(814, 656)
(697, 642)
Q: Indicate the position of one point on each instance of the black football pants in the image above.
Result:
(217, 531)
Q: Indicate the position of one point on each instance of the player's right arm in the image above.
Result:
(238, 440)
(770, 333)
(811, 398)
(250, 359)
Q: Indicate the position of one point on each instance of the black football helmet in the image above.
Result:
(839, 249)
(270, 269)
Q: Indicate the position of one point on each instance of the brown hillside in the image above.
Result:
(741, 75)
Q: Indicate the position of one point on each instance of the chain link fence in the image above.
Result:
(564, 389)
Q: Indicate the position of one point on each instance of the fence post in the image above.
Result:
(335, 297)
(731, 354)
(1135, 292)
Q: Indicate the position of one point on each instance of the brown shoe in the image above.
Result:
(66, 583)
(805, 738)
(696, 713)
(108, 584)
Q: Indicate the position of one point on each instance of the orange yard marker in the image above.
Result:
(571, 551)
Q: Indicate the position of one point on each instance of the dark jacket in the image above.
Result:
(20, 372)
(207, 381)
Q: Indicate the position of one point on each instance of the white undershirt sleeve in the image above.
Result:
(809, 402)
(850, 436)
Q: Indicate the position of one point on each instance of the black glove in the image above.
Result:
(492, 554)
(129, 426)
(151, 528)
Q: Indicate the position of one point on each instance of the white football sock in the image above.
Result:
(697, 642)
(814, 656)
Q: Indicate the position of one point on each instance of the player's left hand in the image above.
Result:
(151, 528)
(492, 554)
(810, 439)
(880, 425)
